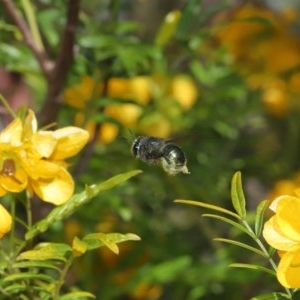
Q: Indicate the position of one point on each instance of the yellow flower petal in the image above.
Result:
(287, 217)
(289, 269)
(29, 125)
(12, 133)
(5, 221)
(276, 239)
(43, 169)
(45, 143)
(15, 182)
(2, 191)
(57, 190)
(70, 141)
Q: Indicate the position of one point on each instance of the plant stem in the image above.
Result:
(263, 248)
(7, 106)
(62, 277)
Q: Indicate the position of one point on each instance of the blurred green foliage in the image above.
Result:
(227, 129)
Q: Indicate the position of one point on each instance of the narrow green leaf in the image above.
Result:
(233, 223)
(209, 206)
(96, 240)
(259, 216)
(77, 200)
(77, 295)
(15, 288)
(46, 251)
(253, 267)
(28, 276)
(237, 195)
(257, 251)
(271, 296)
(37, 265)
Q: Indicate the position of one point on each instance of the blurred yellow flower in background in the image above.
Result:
(282, 232)
(184, 91)
(5, 221)
(260, 39)
(169, 96)
(265, 48)
(285, 186)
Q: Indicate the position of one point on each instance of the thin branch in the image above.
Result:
(40, 55)
(62, 66)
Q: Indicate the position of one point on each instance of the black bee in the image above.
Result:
(157, 150)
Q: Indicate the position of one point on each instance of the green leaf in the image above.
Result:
(209, 206)
(168, 28)
(237, 195)
(253, 267)
(97, 240)
(36, 264)
(46, 251)
(15, 288)
(76, 201)
(28, 276)
(190, 12)
(79, 247)
(77, 295)
(259, 216)
(166, 271)
(233, 223)
(236, 243)
(271, 296)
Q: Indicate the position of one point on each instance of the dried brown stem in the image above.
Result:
(63, 64)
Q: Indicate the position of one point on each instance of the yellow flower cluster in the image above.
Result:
(282, 231)
(266, 50)
(141, 89)
(33, 159)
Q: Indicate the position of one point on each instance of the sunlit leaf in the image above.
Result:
(76, 201)
(209, 206)
(167, 28)
(236, 243)
(79, 247)
(259, 216)
(253, 267)
(233, 223)
(77, 295)
(96, 240)
(46, 251)
(237, 195)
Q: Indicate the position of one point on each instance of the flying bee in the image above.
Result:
(157, 150)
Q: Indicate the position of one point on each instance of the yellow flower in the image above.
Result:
(184, 91)
(13, 177)
(5, 221)
(34, 160)
(282, 232)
